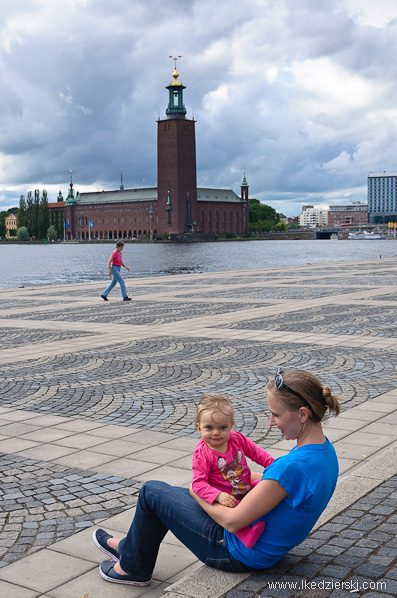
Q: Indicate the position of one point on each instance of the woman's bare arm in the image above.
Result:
(259, 501)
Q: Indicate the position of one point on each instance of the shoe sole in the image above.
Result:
(114, 558)
(123, 581)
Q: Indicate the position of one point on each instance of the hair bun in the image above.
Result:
(330, 400)
(326, 392)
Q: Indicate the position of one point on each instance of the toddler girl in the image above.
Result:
(220, 470)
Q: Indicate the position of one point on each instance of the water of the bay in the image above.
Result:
(29, 265)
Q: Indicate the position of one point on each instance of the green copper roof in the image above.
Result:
(176, 107)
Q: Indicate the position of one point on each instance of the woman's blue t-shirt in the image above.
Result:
(309, 475)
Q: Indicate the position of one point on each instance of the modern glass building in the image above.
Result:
(382, 197)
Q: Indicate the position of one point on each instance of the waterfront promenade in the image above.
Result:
(96, 398)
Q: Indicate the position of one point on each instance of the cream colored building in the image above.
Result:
(312, 217)
(11, 224)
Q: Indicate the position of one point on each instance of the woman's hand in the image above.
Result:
(260, 500)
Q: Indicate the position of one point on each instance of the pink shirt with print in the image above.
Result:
(215, 472)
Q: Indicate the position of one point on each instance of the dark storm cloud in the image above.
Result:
(301, 94)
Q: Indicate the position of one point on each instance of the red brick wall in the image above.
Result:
(176, 172)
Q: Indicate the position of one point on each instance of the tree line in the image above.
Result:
(33, 218)
(33, 214)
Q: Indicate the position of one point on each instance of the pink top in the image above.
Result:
(116, 258)
(215, 472)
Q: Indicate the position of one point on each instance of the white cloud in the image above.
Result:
(376, 14)
(300, 93)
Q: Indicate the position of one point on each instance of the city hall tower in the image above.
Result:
(176, 165)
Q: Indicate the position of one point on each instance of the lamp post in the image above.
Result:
(150, 220)
(168, 207)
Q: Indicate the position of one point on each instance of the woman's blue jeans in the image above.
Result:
(161, 508)
(116, 278)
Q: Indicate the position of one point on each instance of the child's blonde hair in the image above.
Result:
(213, 402)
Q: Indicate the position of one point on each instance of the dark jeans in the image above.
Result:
(161, 508)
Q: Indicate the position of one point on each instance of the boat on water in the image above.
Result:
(366, 235)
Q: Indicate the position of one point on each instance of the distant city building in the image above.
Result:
(288, 219)
(312, 217)
(382, 197)
(174, 206)
(352, 215)
(11, 223)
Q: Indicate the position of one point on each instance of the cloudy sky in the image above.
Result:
(302, 93)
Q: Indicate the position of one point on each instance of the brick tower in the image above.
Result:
(176, 165)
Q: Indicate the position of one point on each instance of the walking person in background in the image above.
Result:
(114, 264)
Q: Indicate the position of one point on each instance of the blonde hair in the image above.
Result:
(213, 402)
(314, 394)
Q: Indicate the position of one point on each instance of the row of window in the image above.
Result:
(84, 221)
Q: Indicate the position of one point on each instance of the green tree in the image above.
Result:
(23, 234)
(21, 214)
(43, 216)
(293, 225)
(265, 212)
(281, 226)
(29, 212)
(3, 229)
(52, 234)
(34, 227)
(260, 215)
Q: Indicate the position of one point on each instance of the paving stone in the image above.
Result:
(148, 397)
(356, 558)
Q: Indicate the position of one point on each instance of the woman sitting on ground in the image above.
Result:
(291, 496)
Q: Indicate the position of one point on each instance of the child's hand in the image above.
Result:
(226, 500)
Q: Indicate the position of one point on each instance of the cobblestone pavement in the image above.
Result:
(97, 397)
(347, 319)
(43, 503)
(156, 383)
(354, 553)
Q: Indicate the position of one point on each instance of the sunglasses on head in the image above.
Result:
(279, 383)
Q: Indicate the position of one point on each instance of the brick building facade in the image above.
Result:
(352, 215)
(174, 206)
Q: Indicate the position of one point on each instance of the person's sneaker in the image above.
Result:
(106, 569)
(100, 538)
(104, 298)
(126, 298)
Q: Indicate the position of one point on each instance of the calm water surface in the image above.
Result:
(25, 265)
